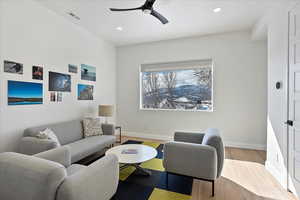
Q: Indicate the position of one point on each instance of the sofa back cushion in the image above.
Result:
(66, 132)
(28, 177)
(212, 138)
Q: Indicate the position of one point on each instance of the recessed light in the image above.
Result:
(217, 10)
(119, 28)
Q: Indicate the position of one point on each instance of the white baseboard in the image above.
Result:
(170, 137)
(147, 136)
(245, 145)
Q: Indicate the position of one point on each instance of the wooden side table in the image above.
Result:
(120, 131)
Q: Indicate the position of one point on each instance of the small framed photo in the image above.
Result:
(59, 96)
(53, 96)
(13, 67)
(37, 72)
(73, 68)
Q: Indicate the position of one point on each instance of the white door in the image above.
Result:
(294, 101)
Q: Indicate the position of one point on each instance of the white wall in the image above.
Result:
(33, 35)
(277, 107)
(240, 88)
(277, 137)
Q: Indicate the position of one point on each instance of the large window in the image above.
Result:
(177, 86)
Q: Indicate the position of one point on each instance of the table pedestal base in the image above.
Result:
(139, 170)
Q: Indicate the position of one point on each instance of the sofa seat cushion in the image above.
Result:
(74, 169)
(87, 146)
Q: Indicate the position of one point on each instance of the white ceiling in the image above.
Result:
(187, 17)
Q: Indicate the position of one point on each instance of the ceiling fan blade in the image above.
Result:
(159, 16)
(149, 4)
(126, 9)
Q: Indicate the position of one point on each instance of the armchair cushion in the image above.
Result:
(74, 168)
(189, 159)
(97, 181)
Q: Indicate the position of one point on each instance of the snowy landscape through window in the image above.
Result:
(184, 85)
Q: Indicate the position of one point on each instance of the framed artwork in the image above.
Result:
(52, 96)
(73, 68)
(37, 72)
(85, 92)
(24, 93)
(59, 82)
(59, 96)
(88, 72)
(13, 67)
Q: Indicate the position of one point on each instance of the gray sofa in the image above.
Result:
(50, 176)
(197, 155)
(68, 133)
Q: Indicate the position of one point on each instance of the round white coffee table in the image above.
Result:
(133, 155)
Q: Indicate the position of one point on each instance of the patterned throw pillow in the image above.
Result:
(48, 134)
(92, 127)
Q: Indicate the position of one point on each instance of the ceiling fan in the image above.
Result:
(147, 8)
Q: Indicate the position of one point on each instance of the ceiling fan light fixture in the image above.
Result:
(119, 28)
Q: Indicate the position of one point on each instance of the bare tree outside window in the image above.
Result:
(182, 89)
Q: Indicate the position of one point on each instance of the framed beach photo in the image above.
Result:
(24, 93)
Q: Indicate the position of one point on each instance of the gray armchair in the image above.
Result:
(50, 176)
(197, 155)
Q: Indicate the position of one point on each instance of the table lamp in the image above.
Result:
(106, 111)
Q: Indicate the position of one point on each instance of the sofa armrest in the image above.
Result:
(60, 155)
(97, 181)
(27, 177)
(32, 145)
(188, 137)
(189, 159)
(108, 129)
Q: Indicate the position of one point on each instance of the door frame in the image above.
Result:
(287, 132)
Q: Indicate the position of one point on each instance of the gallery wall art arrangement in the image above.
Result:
(30, 93)
(24, 93)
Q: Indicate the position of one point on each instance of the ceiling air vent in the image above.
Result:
(73, 15)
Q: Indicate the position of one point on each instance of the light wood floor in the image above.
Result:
(244, 178)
